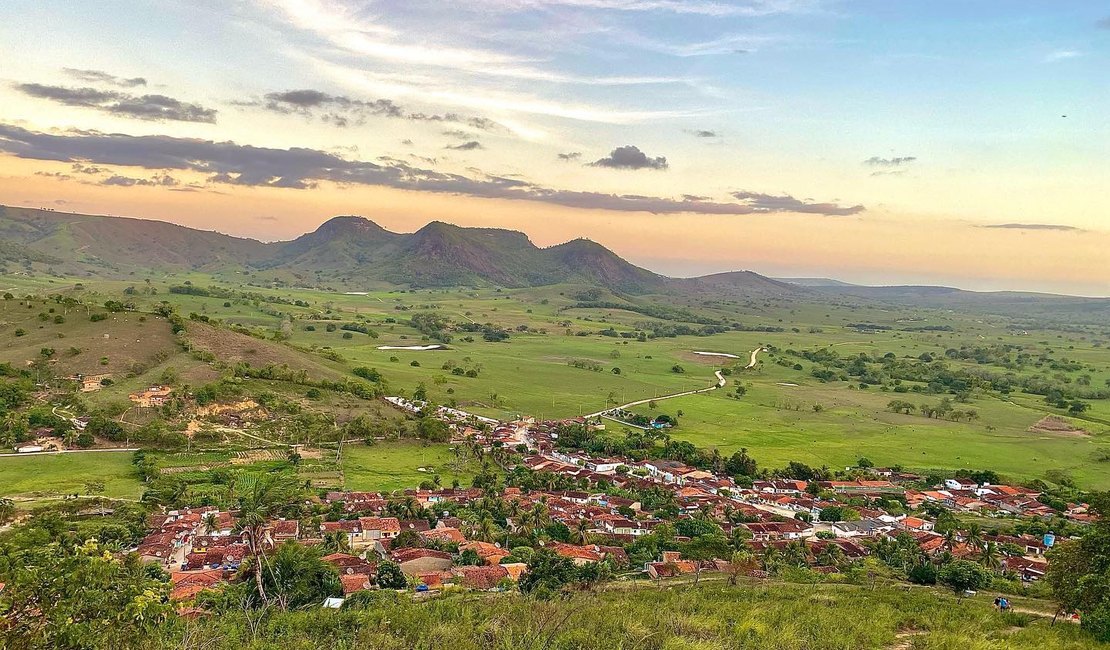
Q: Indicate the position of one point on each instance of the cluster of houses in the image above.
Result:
(202, 548)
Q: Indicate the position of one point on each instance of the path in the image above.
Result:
(751, 364)
(68, 451)
(720, 384)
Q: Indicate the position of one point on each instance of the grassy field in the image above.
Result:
(37, 477)
(388, 466)
(785, 415)
(668, 616)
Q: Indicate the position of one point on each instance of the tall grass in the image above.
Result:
(650, 617)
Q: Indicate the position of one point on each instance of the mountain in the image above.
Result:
(99, 245)
(747, 282)
(816, 282)
(347, 249)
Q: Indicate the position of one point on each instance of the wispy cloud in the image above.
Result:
(303, 168)
(786, 203)
(97, 76)
(470, 145)
(1062, 55)
(697, 7)
(356, 35)
(121, 104)
(897, 161)
(1034, 226)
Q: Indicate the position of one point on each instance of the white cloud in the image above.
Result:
(1062, 55)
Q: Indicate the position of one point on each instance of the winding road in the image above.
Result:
(751, 364)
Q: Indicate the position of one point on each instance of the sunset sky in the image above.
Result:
(883, 142)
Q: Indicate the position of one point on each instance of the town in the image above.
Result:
(652, 518)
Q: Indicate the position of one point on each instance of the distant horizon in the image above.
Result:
(787, 277)
(884, 143)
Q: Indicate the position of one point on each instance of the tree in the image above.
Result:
(390, 576)
(705, 548)
(965, 575)
(261, 498)
(1079, 572)
(742, 563)
(295, 576)
(547, 574)
(83, 597)
(741, 464)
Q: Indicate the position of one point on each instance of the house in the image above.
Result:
(153, 396)
(859, 486)
(347, 564)
(377, 528)
(671, 566)
(484, 578)
(414, 561)
(861, 528)
(960, 484)
(772, 530)
(446, 535)
(355, 582)
(915, 524)
(578, 554)
(489, 553)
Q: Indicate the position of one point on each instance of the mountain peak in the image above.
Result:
(348, 225)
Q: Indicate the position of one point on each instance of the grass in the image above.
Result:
(530, 374)
(388, 466)
(775, 616)
(55, 475)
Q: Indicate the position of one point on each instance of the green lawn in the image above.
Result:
(388, 466)
(32, 476)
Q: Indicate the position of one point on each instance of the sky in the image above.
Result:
(962, 142)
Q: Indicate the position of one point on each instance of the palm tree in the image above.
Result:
(263, 497)
(211, 523)
(974, 537)
(990, 556)
(950, 538)
(337, 542)
(581, 532)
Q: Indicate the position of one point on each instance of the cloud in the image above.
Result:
(570, 156)
(466, 146)
(630, 157)
(160, 180)
(701, 133)
(1034, 226)
(302, 168)
(875, 161)
(341, 110)
(96, 76)
(1062, 55)
(121, 104)
(786, 203)
(1104, 23)
(458, 133)
(713, 8)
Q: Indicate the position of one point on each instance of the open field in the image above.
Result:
(60, 474)
(388, 466)
(557, 363)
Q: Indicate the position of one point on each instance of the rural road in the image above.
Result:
(720, 383)
(68, 451)
(751, 364)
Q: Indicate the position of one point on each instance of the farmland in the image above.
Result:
(563, 359)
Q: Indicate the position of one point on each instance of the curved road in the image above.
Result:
(720, 383)
(751, 364)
